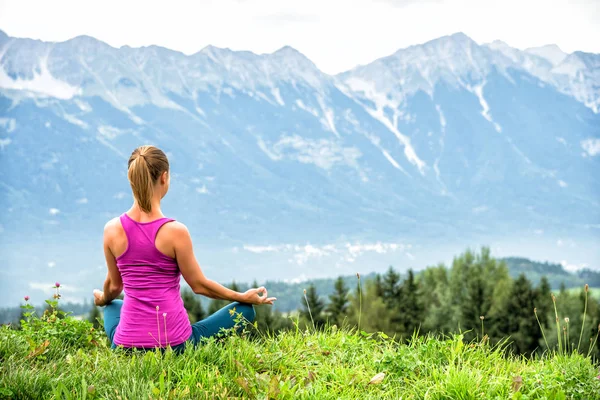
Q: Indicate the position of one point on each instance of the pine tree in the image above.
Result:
(475, 303)
(391, 287)
(378, 286)
(317, 306)
(338, 303)
(410, 307)
(522, 326)
(193, 306)
(543, 301)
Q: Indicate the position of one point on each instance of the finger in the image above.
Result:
(270, 300)
(264, 293)
(261, 289)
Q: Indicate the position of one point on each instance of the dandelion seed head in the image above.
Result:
(164, 314)
(482, 317)
(567, 320)
(157, 308)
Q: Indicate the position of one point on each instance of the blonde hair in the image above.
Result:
(146, 164)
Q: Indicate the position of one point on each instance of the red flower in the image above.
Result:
(57, 285)
(26, 298)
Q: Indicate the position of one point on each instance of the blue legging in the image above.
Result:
(206, 328)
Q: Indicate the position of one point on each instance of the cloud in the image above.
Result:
(480, 209)
(406, 3)
(202, 190)
(347, 252)
(573, 267)
(54, 211)
(322, 152)
(48, 288)
(287, 17)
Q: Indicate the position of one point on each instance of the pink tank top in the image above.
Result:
(152, 314)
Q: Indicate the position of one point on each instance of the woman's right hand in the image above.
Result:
(257, 296)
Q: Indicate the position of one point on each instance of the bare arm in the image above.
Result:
(200, 284)
(113, 284)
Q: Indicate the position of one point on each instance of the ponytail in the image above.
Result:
(146, 164)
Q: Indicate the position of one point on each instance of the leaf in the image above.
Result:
(39, 350)
(377, 379)
(274, 387)
(311, 377)
(517, 383)
(243, 382)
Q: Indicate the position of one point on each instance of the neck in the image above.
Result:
(153, 214)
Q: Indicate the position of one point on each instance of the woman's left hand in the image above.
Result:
(257, 296)
(99, 298)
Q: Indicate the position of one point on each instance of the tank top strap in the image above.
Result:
(127, 223)
(155, 227)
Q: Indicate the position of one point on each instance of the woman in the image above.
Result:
(146, 254)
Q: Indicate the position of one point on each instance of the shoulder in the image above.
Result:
(176, 228)
(112, 227)
(112, 224)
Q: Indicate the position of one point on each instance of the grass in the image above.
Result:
(306, 365)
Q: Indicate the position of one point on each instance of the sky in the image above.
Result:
(336, 35)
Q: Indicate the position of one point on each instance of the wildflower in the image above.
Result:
(586, 287)
(481, 317)
(305, 291)
(567, 320)
(165, 314)
(26, 298)
(157, 308)
(357, 275)
(57, 285)
(535, 310)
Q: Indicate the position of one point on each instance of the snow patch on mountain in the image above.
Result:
(111, 132)
(8, 124)
(304, 107)
(275, 92)
(329, 119)
(591, 146)
(4, 143)
(478, 91)
(43, 83)
(75, 121)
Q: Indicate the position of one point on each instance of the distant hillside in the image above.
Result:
(289, 294)
(555, 273)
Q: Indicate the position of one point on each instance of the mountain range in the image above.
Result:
(284, 172)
